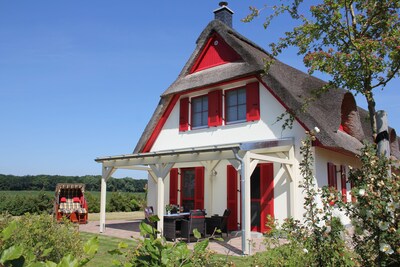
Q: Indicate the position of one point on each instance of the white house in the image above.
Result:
(214, 142)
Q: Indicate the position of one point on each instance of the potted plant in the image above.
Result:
(168, 208)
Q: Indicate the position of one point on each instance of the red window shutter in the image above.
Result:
(184, 114)
(199, 188)
(267, 193)
(343, 182)
(215, 108)
(252, 102)
(173, 186)
(232, 197)
(332, 179)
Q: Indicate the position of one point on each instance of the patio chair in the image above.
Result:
(196, 221)
(219, 222)
(148, 212)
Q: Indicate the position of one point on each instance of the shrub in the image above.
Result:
(123, 202)
(153, 251)
(375, 213)
(93, 202)
(44, 239)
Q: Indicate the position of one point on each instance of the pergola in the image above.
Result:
(243, 156)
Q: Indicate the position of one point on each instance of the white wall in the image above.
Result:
(266, 128)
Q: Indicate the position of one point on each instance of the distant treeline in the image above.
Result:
(49, 182)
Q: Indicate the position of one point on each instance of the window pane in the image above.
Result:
(204, 118)
(205, 103)
(231, 114)
(196, 119)
(231, 98)
(188, 184)
(242, 112)
(196, 105)
(241, 96)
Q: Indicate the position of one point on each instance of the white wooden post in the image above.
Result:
(106, 173)
(161, 171)
(246, 206)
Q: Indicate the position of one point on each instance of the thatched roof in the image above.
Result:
(291, 86)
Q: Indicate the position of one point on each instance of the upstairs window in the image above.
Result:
(235, 105)
(199, 111)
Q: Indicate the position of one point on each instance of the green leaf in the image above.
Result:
(122, 245)
(91, 246)
(38, 264)
(12, 253)
(47, 252)
(201, 246)
(68, 261)
(145, 229)
(51, 264)
(196, 234)
(9, 230)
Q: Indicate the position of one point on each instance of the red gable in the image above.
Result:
(216, 52)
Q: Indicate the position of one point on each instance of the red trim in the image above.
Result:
(184, 114)
(252, 101)
(214, 55)
(215, 108)
(173, 186)
(160, 124)
(197, 217)
(343, 182)
(267, 194)
(332, 177)
(199, 188)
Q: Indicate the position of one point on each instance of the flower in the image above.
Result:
(383, 225)
(361, 192)
(391, 206)
(328, 229)
(316, 129)
(305, 250)
(386, 248)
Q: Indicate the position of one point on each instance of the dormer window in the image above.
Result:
(235, 105)
(199, 111)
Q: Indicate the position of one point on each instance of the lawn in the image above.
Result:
(107, 243)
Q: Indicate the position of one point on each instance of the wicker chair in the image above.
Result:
(196, 221)
(219, 222)
(148, 212)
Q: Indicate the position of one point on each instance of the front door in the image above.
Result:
(262, 196)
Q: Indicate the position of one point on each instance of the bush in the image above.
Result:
(93, 202)
(42, 238)
(123, 202)
(20, 204)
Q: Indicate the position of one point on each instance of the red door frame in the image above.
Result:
(266, 199)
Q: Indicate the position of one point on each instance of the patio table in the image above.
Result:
(172, 224)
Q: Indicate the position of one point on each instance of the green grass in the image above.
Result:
(106, 243)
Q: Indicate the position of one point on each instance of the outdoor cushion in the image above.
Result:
(63, 199)
(76, 199)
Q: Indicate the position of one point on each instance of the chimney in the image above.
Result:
(224, 14)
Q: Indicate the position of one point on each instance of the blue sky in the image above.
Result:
(80, 79)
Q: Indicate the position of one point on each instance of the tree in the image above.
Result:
(356, 42)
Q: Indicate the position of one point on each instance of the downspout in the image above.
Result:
(242, 193)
